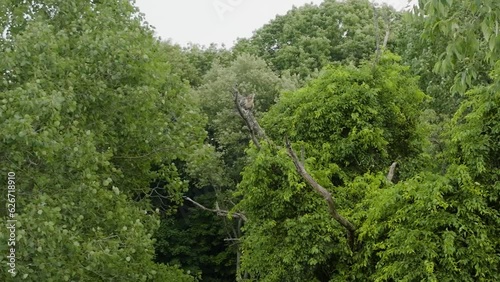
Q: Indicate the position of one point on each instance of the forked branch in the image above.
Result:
(218, 211)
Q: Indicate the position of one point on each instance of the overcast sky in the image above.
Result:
(217, 21)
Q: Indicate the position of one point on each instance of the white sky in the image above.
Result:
(218, 21)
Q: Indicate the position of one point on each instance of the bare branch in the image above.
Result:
(377, 34)
(257, 131)
(380, 49)
(302, 155)
(392, 170)
(218, 211)
(386, 38)
(324, 193)
(387, 21)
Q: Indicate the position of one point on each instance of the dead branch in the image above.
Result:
(377, 34)
(380, 49)
(392, 170)
(256, 131)
(246, 114)
(324, 193)
(386, 38)
(387, 21)
(218, 211)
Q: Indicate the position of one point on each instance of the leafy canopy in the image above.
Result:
(88, 102)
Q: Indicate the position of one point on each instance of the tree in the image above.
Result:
(349, 122)
(445, 227)
(423, 226)
(203, 58)
(199, 241)
(309, 37)
(421, 54)
(430, 227)
(89, 105)
(470, 29)
(217, 259)
(227, 132)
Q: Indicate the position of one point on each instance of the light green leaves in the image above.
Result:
(82, 85)
(348, 122)
(471, 28)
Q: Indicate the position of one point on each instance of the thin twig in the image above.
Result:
(218, 211)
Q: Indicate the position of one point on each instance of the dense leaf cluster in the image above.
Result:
(88, 103)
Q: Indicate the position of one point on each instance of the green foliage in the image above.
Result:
(426, 227)
(202, 58)
(421, 54)
(193, 62)
(227, 131)
(432, 228)
(194, 239)
(88, 104)
(350, 121)
(307, 38)
(443, 46)
(474, 137)
(476, 134)
(179, 61)
(99, 124)
(289, 235)
(360, 119)
(470, 32)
